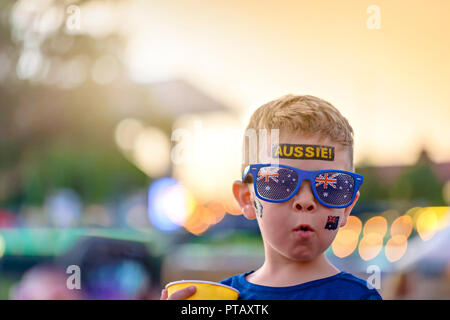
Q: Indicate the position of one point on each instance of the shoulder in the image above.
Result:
(228, 280)
(239, 283)
(358, 287)
(234, 279)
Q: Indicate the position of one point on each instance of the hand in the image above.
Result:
(178, 295)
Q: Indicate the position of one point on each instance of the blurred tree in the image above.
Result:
(372, 188)
(417, 183)
(420, 183)
(56, 123)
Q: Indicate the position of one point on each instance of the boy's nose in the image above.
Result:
(304, 200)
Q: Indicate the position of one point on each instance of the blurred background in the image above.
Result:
(121, 125)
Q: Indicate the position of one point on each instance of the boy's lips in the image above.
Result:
(304, 231)
(303, 227)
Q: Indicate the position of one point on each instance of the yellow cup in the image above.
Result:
(206, 290)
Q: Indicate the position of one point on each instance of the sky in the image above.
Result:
(390, 82)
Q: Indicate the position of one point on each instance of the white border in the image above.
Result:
(202, 281)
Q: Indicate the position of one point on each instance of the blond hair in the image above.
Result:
(303, 114)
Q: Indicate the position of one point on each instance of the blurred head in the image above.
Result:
(300, 120)
(113, 269)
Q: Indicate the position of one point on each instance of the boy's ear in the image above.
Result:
(348, 210)
(243, 196)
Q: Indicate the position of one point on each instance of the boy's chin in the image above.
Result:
(303, 257)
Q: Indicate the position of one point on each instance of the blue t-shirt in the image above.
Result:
(341, 286)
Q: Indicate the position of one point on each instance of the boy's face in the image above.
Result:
(278, 221)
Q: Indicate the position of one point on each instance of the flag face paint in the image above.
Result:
(332, 222)
(303, 151)
(259, 207)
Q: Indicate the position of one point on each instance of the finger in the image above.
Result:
(183, 293)
(163, 294)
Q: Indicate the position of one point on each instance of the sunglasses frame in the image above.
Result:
(253, 169)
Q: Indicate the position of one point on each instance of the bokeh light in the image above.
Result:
(64, 208)
(347, 237)
(353, 223)
(370, 245)
(126, 133)
(198, 222)
(372, 241)
(427, 224)
(429, 220)
(413, 213)
(232, 208)
(30, 63)
(151, 152)
(210, 154)
(377, 224)
(345, 243)
(402, 226)
(147, 147)
(218, 212)
(169, 204)
(396, 247)
(98, 17)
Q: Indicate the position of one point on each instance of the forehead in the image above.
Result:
(341, 159)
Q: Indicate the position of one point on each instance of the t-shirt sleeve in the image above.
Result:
(227, 281)
(372, 295)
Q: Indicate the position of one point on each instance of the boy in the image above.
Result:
(299, 203)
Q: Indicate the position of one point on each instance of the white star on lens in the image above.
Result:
(325, 194)
(350, 186)
(293, 179)
(288, 190)
(345, 196)
(267, 188)
(340, 188)
(282, 181)
(289, 175)
(346, 181)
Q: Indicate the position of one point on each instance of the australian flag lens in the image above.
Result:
(334, 188)
(276, 183)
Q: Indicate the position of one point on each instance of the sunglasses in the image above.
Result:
(279, 183)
